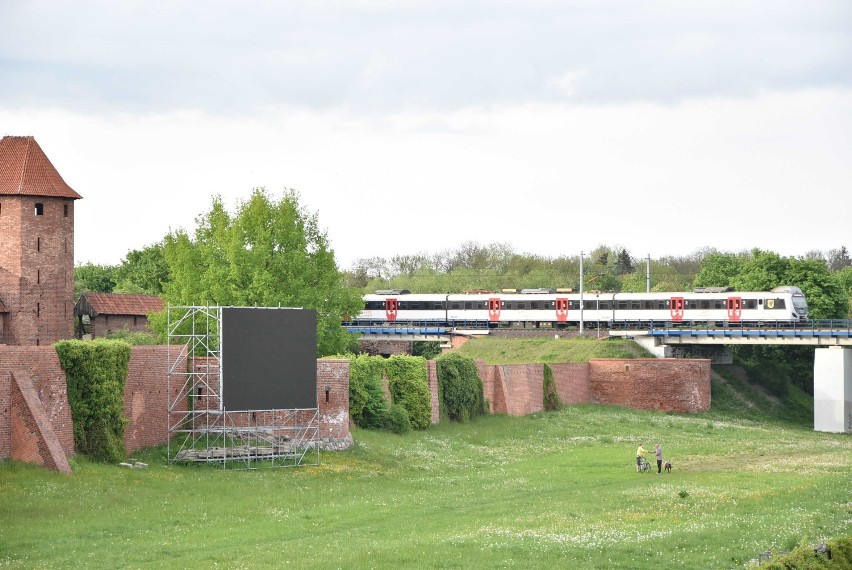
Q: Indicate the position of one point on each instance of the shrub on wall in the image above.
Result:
(95, 372)
(408, 385)
(367, 405)
(551, 398)
(409, 388)
(459, 388)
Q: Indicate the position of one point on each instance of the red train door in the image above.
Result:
(391, 308)
(561, 310)
(494, 309)
(676, 309)
(735, 309)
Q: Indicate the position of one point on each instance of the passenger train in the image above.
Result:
(561, 308)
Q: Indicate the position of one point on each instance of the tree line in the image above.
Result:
(271, 251)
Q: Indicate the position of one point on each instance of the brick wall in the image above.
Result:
(670, 385)
(41, 365)
(146, 399)
(663, 384)
(33, 439)
(334, 411)
(432, 376)
(572, 382)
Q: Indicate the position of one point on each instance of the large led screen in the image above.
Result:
(268, 358)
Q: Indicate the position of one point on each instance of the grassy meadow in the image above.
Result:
(549, 490)
(552, 489)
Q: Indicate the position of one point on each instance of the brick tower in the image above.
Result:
(36, 246)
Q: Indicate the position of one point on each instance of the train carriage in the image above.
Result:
(719, 307)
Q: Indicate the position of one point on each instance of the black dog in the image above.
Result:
(668, 466)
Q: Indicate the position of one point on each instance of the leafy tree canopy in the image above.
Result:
(270, 252)
(142, 271)
(93, 277)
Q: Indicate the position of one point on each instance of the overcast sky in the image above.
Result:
(554, 127)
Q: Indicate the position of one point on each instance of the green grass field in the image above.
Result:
(549, 490)
(521, 351)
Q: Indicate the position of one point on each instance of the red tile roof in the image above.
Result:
(26, 170)
(121, 304)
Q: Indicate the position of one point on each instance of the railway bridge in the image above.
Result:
(832, 364)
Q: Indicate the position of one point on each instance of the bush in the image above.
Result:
(398, 420)
(807, 556)
(367, 405)
(408, 385)
(409, 388)
(551, 398)
(459, 388)
(134, 338)
(95, 372)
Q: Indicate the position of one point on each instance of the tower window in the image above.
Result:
(38, 309)
(39, 209)
(65, 210)
(38, 244)
(38, 276)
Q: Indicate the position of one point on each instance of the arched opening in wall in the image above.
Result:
(39, 209)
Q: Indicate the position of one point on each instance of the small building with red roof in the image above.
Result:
(98, 314)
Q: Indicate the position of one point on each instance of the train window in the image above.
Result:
(704, 304)
(606, 305)
(647, 304)
(574, 305)
(535, 305)
(779, 304)
(749, 303)
(622, 305)
(635, 305)
(522, 305)
(719, 304)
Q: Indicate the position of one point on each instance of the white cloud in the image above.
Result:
(769, 171)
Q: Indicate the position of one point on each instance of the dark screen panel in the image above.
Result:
(268, 358)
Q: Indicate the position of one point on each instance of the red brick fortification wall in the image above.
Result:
(432, 376)
(514, 389)
(662, 384)
(41, 365)
(572, 382)
(334, 413)
(146, 398)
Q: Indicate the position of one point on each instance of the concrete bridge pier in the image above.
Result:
(833, 390)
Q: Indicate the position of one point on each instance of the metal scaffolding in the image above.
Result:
(201, 429)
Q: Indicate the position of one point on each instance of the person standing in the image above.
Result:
(658, 451)
(640, 455)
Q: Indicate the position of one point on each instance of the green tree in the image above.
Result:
(143, 271)
(269, 253)
(824, 291)
(93, 277)
(762, 271)
(844, 279)
(718, 270)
